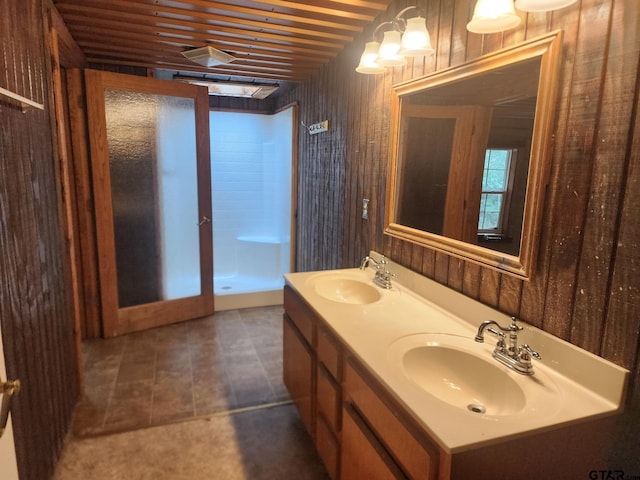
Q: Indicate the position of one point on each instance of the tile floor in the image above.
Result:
(199, 400)
(228, 361)
(263, 444)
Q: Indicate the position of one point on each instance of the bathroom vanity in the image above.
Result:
(391, 384)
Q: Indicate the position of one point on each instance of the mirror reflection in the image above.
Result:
(469, 162)
(489, 119)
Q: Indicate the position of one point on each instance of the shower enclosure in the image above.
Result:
(251, 165)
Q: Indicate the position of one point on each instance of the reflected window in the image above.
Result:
(496, 181)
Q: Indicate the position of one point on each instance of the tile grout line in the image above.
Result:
(193, 385)
(112, 391)
(229, 380)
(264, 370)
(253, 346)
(155, 377)
(178, 421)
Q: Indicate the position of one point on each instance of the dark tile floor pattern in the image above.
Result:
(228, 361)
(261, 444)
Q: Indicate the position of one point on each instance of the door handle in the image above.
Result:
(204, 221)
(8, 389)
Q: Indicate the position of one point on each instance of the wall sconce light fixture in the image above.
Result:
(491, 16)
(402, 38)
(542, 5)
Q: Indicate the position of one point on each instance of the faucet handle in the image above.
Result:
(495, 332)
(514, 327)
(530, 352)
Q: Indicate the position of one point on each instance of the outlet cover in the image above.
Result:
(365, 208)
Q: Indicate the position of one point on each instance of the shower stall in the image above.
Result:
(251, 165)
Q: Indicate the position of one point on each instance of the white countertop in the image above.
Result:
(570, 384)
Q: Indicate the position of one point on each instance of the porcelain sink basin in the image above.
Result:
(346, 290)
(464, 380)
(460, 372)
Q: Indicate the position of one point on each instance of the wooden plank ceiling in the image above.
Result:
(273, 40)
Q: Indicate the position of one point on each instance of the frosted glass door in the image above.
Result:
(152, 196)
(154, 190)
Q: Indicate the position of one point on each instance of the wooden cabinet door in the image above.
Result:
(389, 424)
(328, 447)
(298, 372)
(362, 455)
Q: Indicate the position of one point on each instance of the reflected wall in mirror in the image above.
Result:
(470, 156)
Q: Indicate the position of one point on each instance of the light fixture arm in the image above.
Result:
(380, 28)
(399, 23)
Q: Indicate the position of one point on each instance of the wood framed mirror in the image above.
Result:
(470, 155)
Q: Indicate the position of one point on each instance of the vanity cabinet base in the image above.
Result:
(570, 452)
(361, 431)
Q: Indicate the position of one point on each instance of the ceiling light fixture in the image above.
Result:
(492, 16)
(402, 38)
(208, 56)
(230, 89)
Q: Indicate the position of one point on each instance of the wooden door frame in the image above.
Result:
(118, 320)
(294, 182)
(64, 54)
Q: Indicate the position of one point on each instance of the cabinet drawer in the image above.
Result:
(412, 457)
(328, 398)
(300, 313)
(327, 447)
(329, 353)
(362, 455)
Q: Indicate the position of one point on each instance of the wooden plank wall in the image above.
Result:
(586, 286)
(35, 302)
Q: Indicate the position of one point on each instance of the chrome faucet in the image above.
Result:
(365, 262)
(517, 357)
(383, 276)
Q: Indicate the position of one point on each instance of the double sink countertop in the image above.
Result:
(417, 339)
